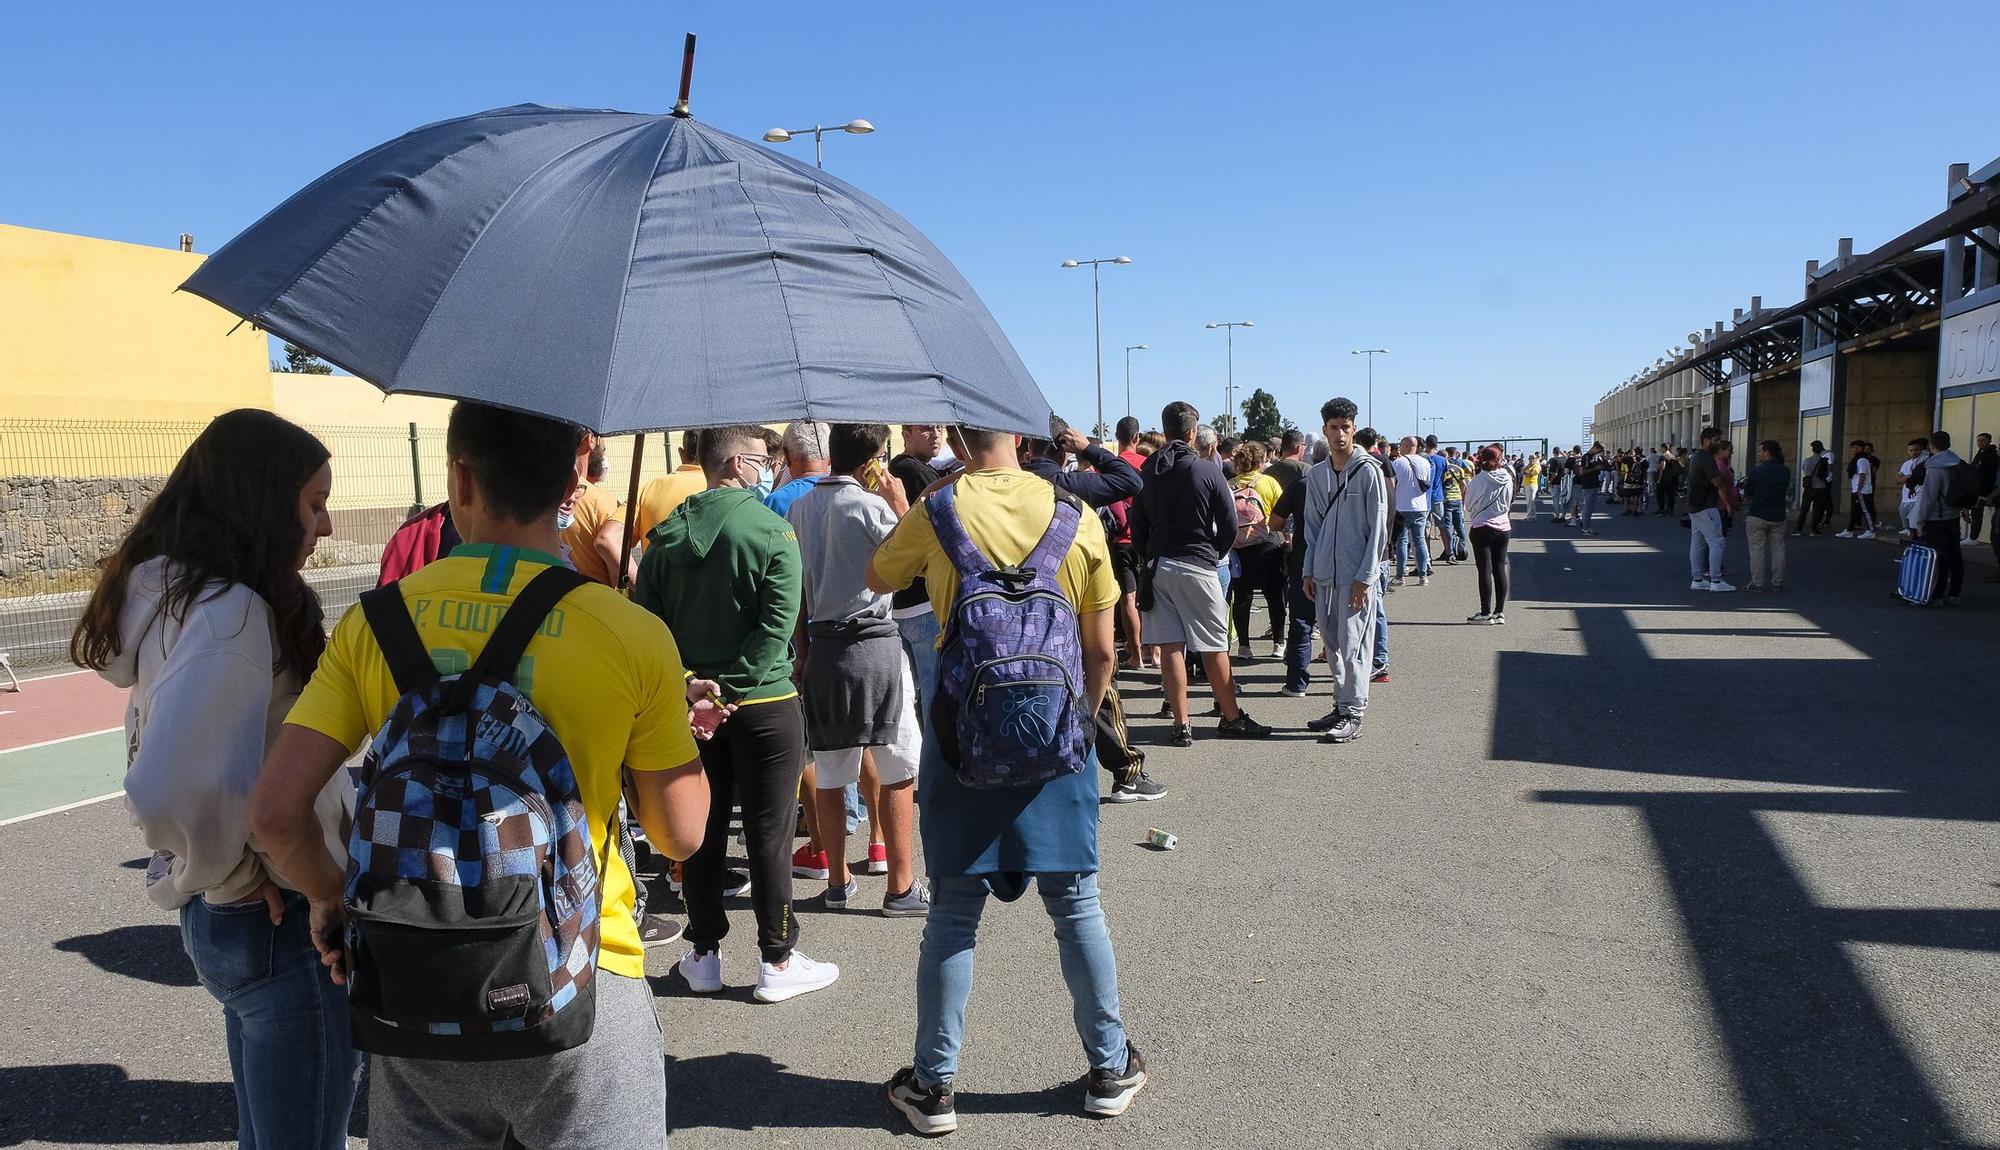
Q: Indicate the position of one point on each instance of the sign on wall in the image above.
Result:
(1969, 347)
(1739, 401)
(1816, 384)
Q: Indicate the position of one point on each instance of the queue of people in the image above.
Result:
(815, 636)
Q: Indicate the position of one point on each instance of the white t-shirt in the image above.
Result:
(1862, 482)
(1909, 465)
(1412, 475)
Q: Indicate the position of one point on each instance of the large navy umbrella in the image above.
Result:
(624, 272)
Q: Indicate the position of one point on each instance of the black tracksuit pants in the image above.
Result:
(755, 759)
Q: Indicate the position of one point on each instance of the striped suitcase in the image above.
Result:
(1916, 574)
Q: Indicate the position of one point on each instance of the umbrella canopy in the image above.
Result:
(624, 272)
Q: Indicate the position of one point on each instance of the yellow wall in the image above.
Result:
(93, 329)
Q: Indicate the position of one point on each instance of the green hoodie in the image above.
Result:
(723, 572)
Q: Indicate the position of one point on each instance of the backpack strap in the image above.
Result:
(502, 653)
(1048, 554)
(396, 633)
(942, 507)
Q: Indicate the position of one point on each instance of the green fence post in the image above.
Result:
(416, 473)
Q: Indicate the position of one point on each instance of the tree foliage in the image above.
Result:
(299, 361)
(1261, 420)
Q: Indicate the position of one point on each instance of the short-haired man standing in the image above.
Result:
(1410, 480)
(991, 842)
(723, 572)
(594, 534)
(1183, 523)
(608, 681)
(1705, 504)
(1344, 523)
(1937, 519)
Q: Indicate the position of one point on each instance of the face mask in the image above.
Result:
(564, 519)
(766, 480)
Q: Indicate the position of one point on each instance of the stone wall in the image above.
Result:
(50, 527)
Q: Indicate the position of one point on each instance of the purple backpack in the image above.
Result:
(1009, 705)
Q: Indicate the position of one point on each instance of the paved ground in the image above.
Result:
(1645, 869)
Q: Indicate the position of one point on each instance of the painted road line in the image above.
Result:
(62, 773)
(60, 809)
(61, 741)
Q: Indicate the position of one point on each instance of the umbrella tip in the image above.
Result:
(687, 76)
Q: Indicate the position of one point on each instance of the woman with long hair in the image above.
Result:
(202, 613)
(1488, 501)
(1257, 552)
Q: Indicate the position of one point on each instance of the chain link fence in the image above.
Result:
(69, 490)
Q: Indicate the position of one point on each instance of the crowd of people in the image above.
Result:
(816, 635)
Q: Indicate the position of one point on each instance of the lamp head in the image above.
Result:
(1142, 347)
(1247, 323)
(777, 136)
(1069, 263)
(858, 127)
(1209, 326)
(1122, 260)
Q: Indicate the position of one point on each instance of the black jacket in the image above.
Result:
(1185, 511)
(1113, 480)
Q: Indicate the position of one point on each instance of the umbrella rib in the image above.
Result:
(631, 253)
(530, 178)
(902, 305)
(791, 327)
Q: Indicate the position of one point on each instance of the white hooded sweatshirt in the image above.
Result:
(205, 706)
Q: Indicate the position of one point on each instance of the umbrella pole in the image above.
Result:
(687, 75)
(631, 514)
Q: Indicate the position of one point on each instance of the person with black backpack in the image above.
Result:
(1950, 486)
(1022, 577)
(483, 926)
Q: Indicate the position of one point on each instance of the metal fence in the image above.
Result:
(69, 490)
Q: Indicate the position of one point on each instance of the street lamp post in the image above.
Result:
(1420, 408)
(1229, 389)
(1097, 326)
(1128, 373)
(1371, 353)
(852, 127)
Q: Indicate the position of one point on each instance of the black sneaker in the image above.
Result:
(929, 1108)
(1345, 730)
(1138, 789)
(658, 930)
(1324, 722)
(1110, 1093)
(1183, 736)
(1242, 727)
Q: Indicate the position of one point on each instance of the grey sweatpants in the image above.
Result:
(1350, 642)
(608, 1094)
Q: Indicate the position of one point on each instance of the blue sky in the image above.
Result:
(1524, 203)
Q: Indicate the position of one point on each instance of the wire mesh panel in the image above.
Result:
(70, 490)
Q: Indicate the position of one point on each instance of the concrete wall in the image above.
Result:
(1889, 401)
(1774, 410)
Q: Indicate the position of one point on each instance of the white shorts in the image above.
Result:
(895, 762)
(1187, 608)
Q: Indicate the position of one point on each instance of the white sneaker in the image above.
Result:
(1720, 585)
(702, 971)
(1698, 585)
(1843, 535)
(1423, 580)
(801, 976)
(1479, 618)
(1498, 620)
(1866, 535)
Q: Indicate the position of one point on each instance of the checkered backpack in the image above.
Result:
(472, 888)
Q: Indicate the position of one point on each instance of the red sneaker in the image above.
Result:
(1379, 677)
(878, 859)
(809, 863)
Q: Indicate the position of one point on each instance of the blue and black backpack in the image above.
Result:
(472, 886)
(1009, 705)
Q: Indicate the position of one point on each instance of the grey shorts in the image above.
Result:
(611, 1092)
(1187, 607)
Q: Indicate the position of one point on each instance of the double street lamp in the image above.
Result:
(1371, 353)
(1420, 409)
(1229, 389)
(784, 135)
(1128, 373)
(1097, 322)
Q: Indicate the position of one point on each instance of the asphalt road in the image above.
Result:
(1644, 869)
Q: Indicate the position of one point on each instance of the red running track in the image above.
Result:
(59, 707)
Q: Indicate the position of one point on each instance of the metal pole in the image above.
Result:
(1128, 382)
(1097, 326)
(1371, 389)
(819, 149)
(416, 473)
(631, 515)
(1229, 394)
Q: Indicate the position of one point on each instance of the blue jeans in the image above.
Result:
(1586, 506)
(944, 969)
(920, 636)
(1411, 535)
(1381, 660)
(285, 1020)
(1456, 544)
(1298, 638)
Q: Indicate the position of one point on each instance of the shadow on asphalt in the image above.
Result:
(147, 953)
(1817, 1059)
(750, 1091)
(97, 1103)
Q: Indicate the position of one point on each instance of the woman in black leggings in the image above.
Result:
(1487, 499)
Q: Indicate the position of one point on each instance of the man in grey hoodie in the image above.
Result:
(1346, 524)
(1937, 519)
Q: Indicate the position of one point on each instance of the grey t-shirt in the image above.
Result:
(1702, 474)
(839, 525)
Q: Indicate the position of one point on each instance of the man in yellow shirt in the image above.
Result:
(595, 532)
(659, 497)
(981, 842)
(607, 678)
